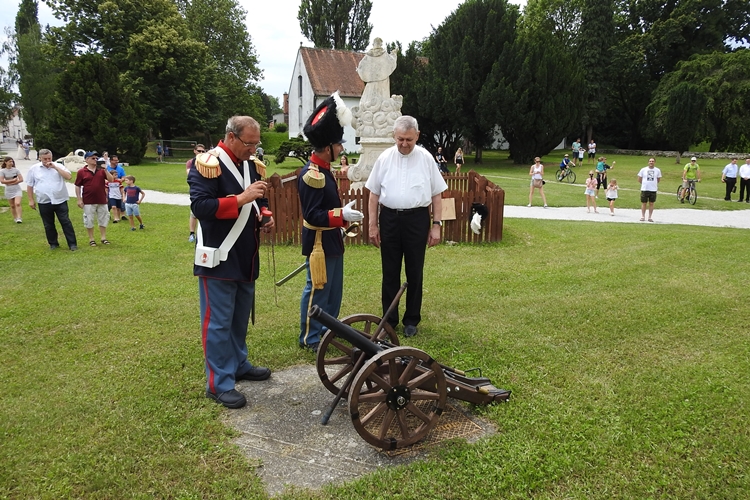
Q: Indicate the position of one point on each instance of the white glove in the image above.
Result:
(476, 224)
(350, 214)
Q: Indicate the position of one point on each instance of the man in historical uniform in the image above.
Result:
(227, 197)
(324, 218)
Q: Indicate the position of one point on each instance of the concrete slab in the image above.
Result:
(280, 428)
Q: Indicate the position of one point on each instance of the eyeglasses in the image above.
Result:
(200, 151)
(247, 144)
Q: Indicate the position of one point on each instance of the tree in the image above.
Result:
(596, 38)
(8, 98)
(559, 17)
(424, 98)
(462, 52)
(531, 95)
(650, 39)
(296, 147)
(676, 113)
(32, 69)
(92, 109)
(232, 69)
(723, 81)
(336, 24)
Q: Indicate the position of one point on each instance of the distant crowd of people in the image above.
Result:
(103, 191)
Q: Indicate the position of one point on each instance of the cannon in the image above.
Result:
(396, 393)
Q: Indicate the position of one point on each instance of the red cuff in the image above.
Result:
(228, 208)
(335, 220)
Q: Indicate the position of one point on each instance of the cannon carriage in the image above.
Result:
(396, 394)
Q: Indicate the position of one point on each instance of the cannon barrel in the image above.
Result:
(345, 331)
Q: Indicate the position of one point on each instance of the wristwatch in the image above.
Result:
(437, 223)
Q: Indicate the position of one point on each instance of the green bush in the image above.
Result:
(281, 127)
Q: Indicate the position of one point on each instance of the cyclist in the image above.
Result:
(690, 174)
(564, 165)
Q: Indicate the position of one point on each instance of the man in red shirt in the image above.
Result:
(91, 191)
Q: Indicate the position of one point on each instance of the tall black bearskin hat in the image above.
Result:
(326, 124)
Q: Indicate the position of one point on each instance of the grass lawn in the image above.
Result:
(514, 179)
(626, 347)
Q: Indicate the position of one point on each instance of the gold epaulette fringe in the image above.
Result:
(260, 167)
(314, 178)
(207, 164)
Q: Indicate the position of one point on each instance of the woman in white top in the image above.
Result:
(537, 180)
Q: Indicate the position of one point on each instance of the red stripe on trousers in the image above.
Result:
(204, 333)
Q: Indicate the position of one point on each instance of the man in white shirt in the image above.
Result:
(729, 177)
(47, 179)
(403, 184)
(649, 177)
(745, 180)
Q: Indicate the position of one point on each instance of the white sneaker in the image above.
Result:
(545, 205)
(18, 221)
(528, 205)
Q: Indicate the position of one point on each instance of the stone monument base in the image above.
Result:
(371, 150)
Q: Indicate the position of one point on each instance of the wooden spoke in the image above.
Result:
(389, 406)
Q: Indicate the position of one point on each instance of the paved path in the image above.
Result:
(689, 216)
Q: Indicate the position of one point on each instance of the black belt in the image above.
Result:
(402, 210)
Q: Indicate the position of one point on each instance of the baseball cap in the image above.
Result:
(89, 154)
(693, 159)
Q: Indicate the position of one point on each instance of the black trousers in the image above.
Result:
(730, 183)
(47, 212)
(403, 236)
(745, 189)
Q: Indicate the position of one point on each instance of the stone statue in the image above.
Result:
(377, 111)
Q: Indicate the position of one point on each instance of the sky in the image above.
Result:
(276, 34)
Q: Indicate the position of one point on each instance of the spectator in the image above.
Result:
(344, 164)
(649, 178)
(323, 214)
(537, 181)
(133, 198)
(199, 149)
(26, 149)
(574, 150)
(612, 195)
(114, 199)
(442, 163)
(91, 192)
(403, 225)
(591, 193)
(259, 153)
(226, 191)
(159, 152)
(601, 173)
(592, 150)
(729, 177)
(116, 169)
(744, 180)
(11, 178)
(47, 180)
(458, 159)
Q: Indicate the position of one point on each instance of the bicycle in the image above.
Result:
(689, 192)
(566, 175)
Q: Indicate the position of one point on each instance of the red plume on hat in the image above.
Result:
(326, 124)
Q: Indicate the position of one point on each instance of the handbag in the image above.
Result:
(538, 183)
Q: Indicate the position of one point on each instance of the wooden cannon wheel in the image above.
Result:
(392, 402)
(334, 360)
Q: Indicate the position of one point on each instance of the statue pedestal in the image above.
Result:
(372, 147)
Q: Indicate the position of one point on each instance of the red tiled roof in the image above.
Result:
(330, 70)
